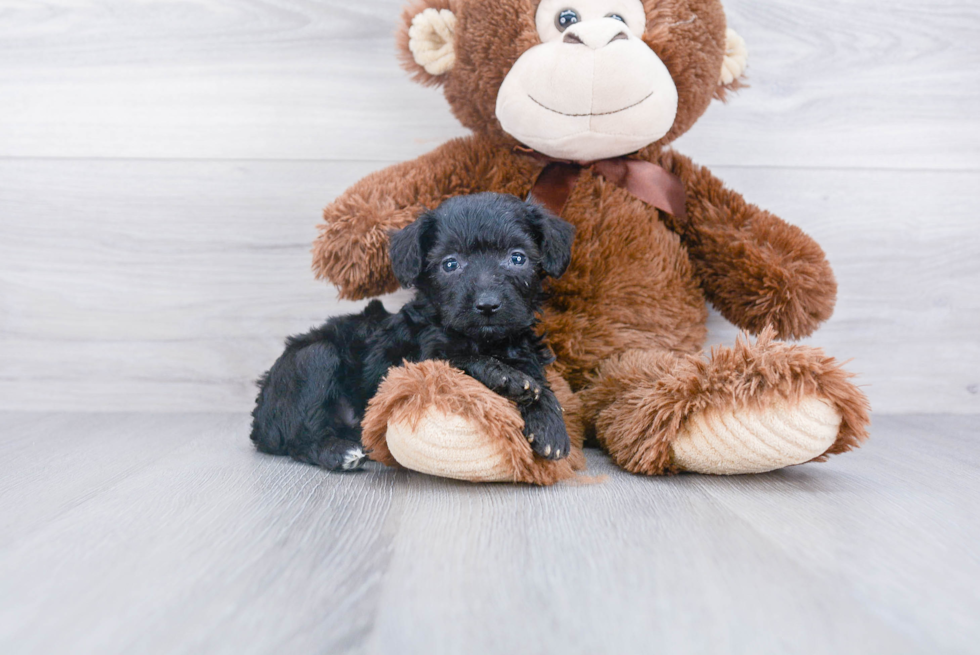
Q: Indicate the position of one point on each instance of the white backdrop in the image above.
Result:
(163, 164)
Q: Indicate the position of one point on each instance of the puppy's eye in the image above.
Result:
(566, 18)
(517, 258)
(449, 264)
(616, 17)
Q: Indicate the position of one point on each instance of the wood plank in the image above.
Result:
(894, 85)
(171, 285)
(212, 537)
(211, 547)
(40, 484)
(839, 84)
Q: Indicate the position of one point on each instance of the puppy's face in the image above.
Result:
(480, 261)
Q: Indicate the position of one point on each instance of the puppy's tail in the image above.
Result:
(267, 434)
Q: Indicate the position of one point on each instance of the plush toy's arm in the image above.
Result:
(352, 248)
(755, 268)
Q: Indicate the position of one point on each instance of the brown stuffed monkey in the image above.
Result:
(574, 103)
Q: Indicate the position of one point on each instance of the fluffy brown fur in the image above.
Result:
(409, 391)
(627, 320)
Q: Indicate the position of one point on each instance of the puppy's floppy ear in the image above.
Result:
(554, 237)
(407, 249)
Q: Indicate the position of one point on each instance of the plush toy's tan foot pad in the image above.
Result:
(727, 442)
(432, 418)
(449, 446)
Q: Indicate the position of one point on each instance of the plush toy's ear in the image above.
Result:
(426, 40)
(408, 247)
(554, 237)
(734, 65)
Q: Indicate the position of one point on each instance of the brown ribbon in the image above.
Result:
(643, 179)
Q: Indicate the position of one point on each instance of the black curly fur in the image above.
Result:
(475, 306)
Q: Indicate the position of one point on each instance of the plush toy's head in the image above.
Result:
(575, 79)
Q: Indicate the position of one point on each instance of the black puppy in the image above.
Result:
(476, 263)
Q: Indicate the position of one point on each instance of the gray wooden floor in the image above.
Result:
(155, 533)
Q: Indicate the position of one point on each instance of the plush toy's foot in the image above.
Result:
(748, 409)
(432, 418)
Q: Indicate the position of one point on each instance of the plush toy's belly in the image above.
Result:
(630, 284)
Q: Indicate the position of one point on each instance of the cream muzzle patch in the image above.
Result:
(592, 89)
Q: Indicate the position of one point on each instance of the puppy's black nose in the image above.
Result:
(487, 303)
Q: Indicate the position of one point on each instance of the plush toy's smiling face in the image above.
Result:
(574, 79)
(592, 89)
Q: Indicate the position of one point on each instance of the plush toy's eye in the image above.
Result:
(517, 258)
(566, 18)
(616, 17)
(449, 264)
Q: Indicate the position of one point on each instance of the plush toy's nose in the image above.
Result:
(596, 33)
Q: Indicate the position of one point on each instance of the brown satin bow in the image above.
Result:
(643, 179)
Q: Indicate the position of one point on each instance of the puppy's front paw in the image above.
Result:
(545, 431)
(517, 386)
